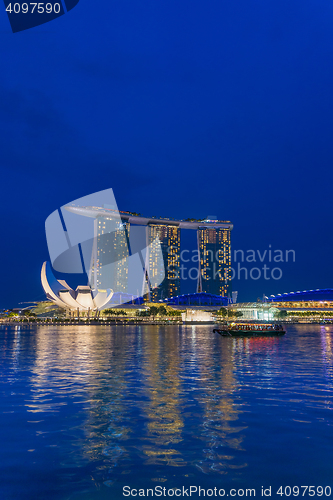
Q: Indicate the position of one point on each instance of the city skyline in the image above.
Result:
(183, 111)
(148, 346)
(119, 235)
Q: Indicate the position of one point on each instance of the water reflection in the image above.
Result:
(218, 430)
(89, 371)
(95, 406)
(161, 369)
(327, 354)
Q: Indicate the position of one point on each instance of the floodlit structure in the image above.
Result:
(256, 311)
(83, 299)
(320, 295)
(162, 238)
(130, 255)
(109, 255)
(195, 316)
(215, 260)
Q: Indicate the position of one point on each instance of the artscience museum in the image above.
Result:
(81, 300)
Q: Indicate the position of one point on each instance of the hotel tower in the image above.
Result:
(159, 253)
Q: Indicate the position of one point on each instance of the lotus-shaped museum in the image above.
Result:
(83, 299)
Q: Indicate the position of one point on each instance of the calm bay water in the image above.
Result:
(88, 410)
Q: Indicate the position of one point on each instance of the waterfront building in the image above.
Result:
(166, 237)
(82, 300)
(318, 295)
(309, 305)
(126, 244)
(213, 240)
(215, 261)
(197, 316)
(300, 306)
(109, 268)
(255, 311)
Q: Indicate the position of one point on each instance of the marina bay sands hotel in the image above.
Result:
(211, 266)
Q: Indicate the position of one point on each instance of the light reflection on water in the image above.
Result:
(86, 410)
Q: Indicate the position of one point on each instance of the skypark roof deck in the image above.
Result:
(95, 212)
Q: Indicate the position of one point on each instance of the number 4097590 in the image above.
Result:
(310, 491)
(38, 8)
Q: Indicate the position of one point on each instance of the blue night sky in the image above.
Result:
(185, 109)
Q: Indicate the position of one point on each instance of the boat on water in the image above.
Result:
(250, 330)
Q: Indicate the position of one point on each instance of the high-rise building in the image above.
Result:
(168, 237)
(215, 260)
(154, 258)
(110, 266)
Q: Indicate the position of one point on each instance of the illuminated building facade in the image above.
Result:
(255, 311)
(215, 260)
(319, 295)
(110, 267)
(305, 305)
(82, 300)
(169, 238)
(160, 260)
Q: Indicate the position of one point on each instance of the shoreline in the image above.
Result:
(89, 323)
(141, 322)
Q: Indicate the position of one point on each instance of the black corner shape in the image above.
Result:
(70, 4)
(24, 15)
